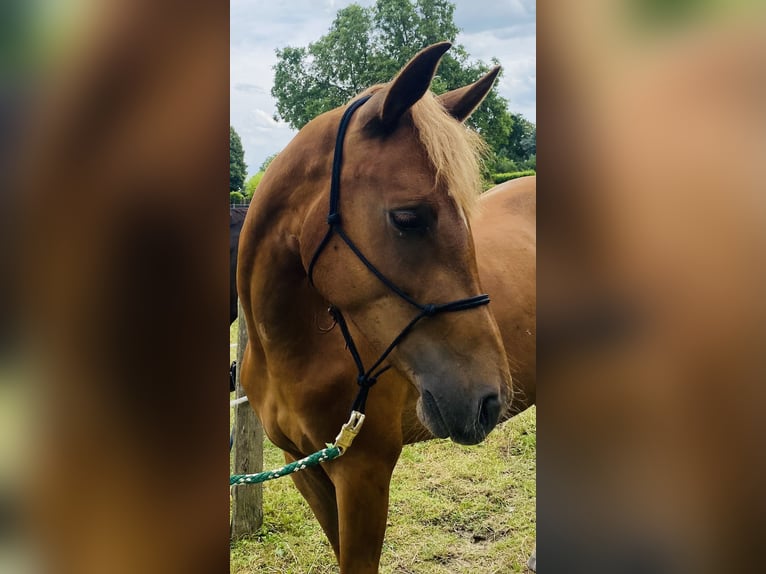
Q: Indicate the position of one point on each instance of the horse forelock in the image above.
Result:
(454, 150)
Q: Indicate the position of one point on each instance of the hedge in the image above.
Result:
(502, 177)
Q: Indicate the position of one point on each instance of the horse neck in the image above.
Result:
(284, 307)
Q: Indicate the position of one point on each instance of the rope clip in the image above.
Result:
(349, 431)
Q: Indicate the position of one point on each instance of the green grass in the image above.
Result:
(453, 510)
(233, 340)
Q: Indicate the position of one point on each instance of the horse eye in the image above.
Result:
(407, 220)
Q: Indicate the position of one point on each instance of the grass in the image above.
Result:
(453, 509)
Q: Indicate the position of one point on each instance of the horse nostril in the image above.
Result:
(489, 411)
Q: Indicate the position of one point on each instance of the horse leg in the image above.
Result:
(362, 487)
(316, 487)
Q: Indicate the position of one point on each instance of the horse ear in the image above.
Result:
(411, 83)
(461, 103)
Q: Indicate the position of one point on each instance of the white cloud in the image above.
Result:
(263, 119)
(515, 48)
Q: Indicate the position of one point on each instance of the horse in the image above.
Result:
(372, 212)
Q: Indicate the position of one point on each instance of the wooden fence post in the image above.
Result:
(247, 499)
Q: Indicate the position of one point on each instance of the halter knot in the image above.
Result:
(429, 310)
(333, 219)
(366, 381)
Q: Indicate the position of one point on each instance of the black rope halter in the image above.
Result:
(368, 377)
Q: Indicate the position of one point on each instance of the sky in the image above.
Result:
(504, 29)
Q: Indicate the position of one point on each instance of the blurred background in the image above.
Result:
(650, 286)
(114, 138)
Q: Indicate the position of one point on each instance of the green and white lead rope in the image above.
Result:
(323, 455)
(344, 439)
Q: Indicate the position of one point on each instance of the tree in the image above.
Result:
(366, 46)
(312, 80)
(252, 184)
(237, 166)
(522, 141)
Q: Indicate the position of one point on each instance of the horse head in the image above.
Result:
(409, 180)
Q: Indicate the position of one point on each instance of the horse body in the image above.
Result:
(450, 374)
(505, 235)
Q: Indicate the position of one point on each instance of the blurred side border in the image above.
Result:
(650, 286)
(115, 154)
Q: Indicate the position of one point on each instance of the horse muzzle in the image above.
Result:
(466, 418)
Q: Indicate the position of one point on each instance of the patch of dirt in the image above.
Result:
(443, 558)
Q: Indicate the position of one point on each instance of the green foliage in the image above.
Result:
(366, 46)
(403, 27)
(530, 163)
(504, 165)
(237, 166)
(236, 197)
(502, 177)
(522, 140)
(252, 184)
(322, 76)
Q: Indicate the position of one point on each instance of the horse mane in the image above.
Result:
(455, 150)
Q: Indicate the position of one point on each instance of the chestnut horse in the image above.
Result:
(396, 261)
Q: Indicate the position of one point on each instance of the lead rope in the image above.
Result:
(332, 451)
(366, 378)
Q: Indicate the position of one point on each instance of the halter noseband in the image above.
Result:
(368, 377)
